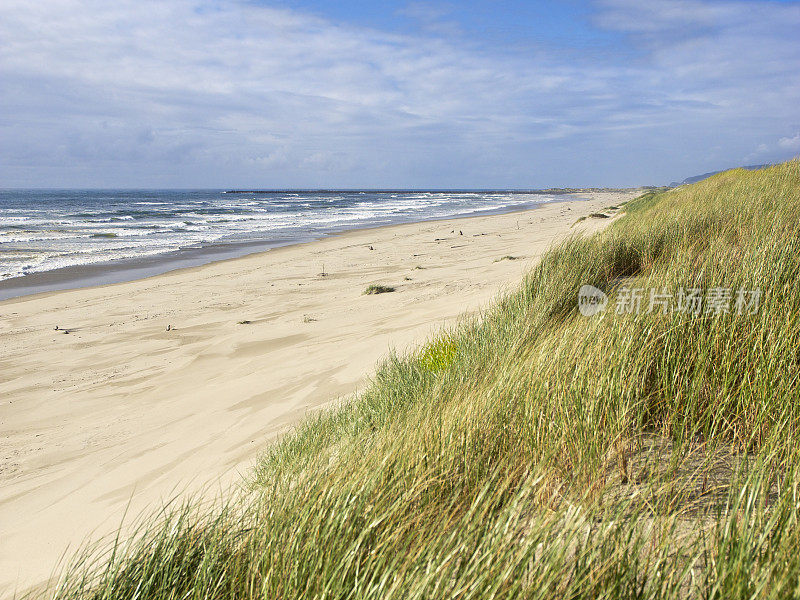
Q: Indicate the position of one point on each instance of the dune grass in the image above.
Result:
(534, 452)
(376, 288)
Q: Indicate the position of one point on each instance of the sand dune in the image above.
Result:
(123, 413)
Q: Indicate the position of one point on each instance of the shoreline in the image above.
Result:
(132, 269)
(176, 381)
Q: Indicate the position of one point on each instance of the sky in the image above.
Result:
(393, 94)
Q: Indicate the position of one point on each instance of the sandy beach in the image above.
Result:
(168, 384)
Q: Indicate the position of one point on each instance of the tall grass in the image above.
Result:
(536, 453)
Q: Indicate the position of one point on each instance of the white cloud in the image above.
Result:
(233, 92)
(790, 143)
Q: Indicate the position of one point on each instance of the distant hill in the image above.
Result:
(697, 178)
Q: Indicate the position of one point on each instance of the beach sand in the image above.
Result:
(121, 414)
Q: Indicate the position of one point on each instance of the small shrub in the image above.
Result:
(438, 355)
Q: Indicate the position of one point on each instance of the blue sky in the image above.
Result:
(305, 93)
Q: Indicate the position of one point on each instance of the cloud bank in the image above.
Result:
(194, 93)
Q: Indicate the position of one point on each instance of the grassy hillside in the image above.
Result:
(539, 453)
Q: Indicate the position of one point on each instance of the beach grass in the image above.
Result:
(376, 288)
(534, 452)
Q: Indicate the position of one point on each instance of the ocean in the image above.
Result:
(85, 237)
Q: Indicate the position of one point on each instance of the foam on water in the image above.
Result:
(46, 230)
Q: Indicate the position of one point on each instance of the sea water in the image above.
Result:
(48, 230)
